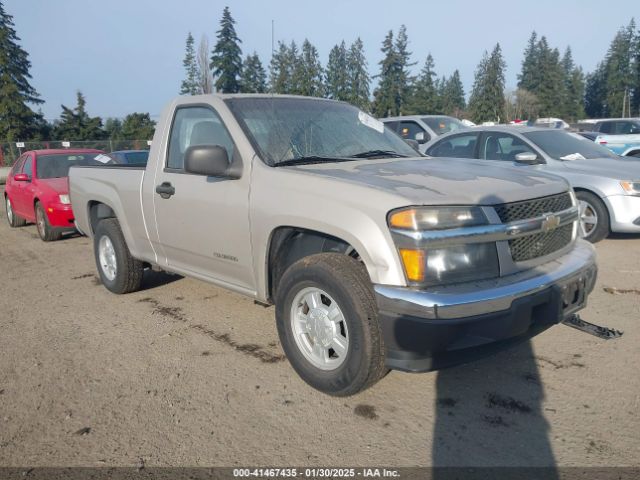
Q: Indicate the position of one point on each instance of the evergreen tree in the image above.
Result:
(595, 96)
(424, 100)
(307, 73)
(138, 126)
(190, 85)
(529, 78)
(17, 120)
(280, 70)
(452, 99)
(635, 97)
(77, 125)
(385, 99)
(226, 59)
(358, 76)
(573, 108)
(254, 77)
(113, 129)
(337, 73)
(487, 102)
(404, 81)
(619, 71)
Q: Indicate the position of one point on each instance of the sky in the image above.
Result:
(126, 55)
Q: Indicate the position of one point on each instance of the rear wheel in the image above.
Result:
(13, 219)
(45, 230)
(594, 217)
(118, 270)
(328, 325)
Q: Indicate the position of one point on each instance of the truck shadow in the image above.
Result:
(154, 279)
(490, 414)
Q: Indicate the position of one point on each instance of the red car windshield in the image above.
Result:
(57, 165)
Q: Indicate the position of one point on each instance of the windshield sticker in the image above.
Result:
(371, 122)
(102, 158)
(573, 156)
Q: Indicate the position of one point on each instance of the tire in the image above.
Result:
(334, 280)
(118, 270)
(46, 232)
(13, 219)
(591, 207)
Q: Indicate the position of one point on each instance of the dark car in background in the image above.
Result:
(130, 157)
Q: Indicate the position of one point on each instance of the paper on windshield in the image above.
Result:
(371, 122)
(573, 156)
(102, 158)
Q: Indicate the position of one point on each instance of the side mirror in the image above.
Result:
(420, 138)
(527, 158)
(21, 177)
(413, 144)
(209, 160)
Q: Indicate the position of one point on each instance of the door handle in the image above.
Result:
(165, 189)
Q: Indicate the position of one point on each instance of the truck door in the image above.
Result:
(203, 222)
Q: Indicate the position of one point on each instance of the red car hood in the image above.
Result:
(58, 185)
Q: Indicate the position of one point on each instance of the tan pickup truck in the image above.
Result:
(375, 257)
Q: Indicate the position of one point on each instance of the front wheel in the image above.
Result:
(118, 270)
(46, 232)
(12, 218)
(594, 217)
(328, 325)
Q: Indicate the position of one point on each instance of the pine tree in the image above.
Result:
(226, 59)
(453, 101)
(635, 97)
(337, 74)
(280, 70)
(76, 124)
(404, 81)
(595, 95)
(385, 98)
(17, 120)
(254, 77)
(573, 104)
(529, 78)
(487, 101)
(307, 73)
(358, 76)
(190, 85)
(424, 99)
(619, 70)
(138, 126)
(113, 128)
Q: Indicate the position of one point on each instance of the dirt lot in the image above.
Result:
(184, 373)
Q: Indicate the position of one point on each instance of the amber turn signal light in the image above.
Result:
(414, 264)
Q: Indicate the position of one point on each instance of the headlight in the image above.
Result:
(631, 187)
(428, 218)
(444, 265)
(65, 199)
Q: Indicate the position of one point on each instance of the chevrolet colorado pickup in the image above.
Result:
(375, 257)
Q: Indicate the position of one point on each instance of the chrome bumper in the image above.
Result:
(489, 296)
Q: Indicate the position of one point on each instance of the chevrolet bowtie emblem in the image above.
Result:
(550, 222)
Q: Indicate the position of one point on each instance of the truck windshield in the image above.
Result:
(568, 146)
(57, 166)
(288, 130)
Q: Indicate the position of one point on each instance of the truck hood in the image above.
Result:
(627, 168)
(436, 181)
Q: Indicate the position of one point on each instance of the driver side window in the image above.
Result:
(502, 146)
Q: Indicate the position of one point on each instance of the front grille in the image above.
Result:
(540, 244)
(510, 212)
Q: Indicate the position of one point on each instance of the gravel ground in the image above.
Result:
(186, 374)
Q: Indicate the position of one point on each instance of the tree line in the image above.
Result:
(549, 84)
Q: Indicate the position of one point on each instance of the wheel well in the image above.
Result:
(290, 244)
(99, 211)
(632, 153)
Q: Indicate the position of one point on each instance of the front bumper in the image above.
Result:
(60, 215)
(624, 211)
(428, 330)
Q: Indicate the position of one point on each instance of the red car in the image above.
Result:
(37, 190)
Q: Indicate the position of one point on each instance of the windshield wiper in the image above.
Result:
(310, 160)
(378, 153)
